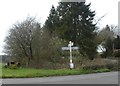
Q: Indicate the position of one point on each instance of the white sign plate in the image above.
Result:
(68, 48)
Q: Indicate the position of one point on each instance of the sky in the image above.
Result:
(12, 11)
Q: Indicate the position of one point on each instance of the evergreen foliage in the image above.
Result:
(74, 21)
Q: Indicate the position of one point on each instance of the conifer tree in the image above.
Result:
(74, 21)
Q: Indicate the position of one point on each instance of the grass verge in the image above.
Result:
(31, 73)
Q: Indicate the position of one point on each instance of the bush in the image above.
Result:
(112, 66)
(13, 66)
(99, 63)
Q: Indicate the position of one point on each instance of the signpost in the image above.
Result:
(71, 63)
(67, 48)
(70, 48)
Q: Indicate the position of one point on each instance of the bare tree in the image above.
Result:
(30, 44)
(20, 39)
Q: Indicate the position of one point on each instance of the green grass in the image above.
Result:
(30, 73)
(1, 68)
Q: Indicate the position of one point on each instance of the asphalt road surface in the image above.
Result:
(98, 78)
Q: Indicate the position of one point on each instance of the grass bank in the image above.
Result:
(31, 73)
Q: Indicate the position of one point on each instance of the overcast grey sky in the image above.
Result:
(12, 11)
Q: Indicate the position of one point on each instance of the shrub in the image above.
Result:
(100, 63)
(13, 66)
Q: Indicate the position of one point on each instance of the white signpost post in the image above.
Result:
(71, 63)
(70, 48)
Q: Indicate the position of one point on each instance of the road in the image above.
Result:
(97, 78)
